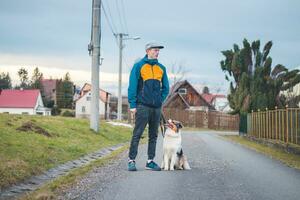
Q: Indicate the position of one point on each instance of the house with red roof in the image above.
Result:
(22, 102)
(83, 103)
(218, 101)
(183, 95)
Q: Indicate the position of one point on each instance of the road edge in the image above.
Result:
(289, 159)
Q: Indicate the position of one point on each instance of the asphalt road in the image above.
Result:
(220, 170)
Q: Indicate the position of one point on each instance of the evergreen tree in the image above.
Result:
(205, 90)
(23, 76)
(254, 84)
(36, 79)
(5, 81)
(65, 92)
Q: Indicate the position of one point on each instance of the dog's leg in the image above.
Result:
(180, 163)
(162, 166)
(177, 163)
(173, 160)
(166, 162)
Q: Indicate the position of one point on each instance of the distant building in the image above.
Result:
(50, 90)
(293, 94)
(218, 101)
(83, 103)
(114, 107)
(22, 102)
(184, 96)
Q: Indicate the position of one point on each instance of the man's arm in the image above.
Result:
(133, 84)
(165, 85)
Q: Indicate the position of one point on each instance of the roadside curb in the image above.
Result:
(35, 182)
(279, 145)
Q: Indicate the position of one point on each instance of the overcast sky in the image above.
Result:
(53, 35)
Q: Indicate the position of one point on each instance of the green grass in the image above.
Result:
(27, 153)
(53, 188)
(289, 159)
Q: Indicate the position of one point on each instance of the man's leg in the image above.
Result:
(141, 120)
(154, 119)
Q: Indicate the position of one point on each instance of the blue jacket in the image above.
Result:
(148, 83)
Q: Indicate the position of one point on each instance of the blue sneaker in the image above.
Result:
(131, 166)
(152, 166)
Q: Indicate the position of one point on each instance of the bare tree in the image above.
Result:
(178, 71)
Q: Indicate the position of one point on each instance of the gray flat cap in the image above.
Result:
(151, 45)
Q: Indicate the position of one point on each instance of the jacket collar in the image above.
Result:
(150, 61)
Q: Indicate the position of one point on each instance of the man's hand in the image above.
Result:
(133, 110)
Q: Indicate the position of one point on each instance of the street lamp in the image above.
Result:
(121, 37)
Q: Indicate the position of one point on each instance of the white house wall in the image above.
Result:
(221, 104)
(30, 111)
(87, 104)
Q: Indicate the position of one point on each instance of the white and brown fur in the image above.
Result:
(173, 157)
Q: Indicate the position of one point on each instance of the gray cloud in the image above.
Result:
(194, 31)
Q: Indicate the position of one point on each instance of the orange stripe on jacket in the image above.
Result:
(146, 72)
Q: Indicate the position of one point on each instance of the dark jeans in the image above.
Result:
(144, 115)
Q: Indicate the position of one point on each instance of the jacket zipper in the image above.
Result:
(152, 81)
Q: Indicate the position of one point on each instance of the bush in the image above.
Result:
(68, 113)
(55, 110)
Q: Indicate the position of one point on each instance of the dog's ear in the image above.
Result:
(178, 124)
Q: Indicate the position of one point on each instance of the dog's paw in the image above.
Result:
(172, 169)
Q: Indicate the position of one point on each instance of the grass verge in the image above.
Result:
(52, 189)
(30, 145)
(289, 159)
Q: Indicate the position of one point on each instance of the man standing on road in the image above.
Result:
(148, 88)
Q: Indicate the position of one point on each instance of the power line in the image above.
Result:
(124, 16)
(110, 23)
(110, 15)
(120, 18)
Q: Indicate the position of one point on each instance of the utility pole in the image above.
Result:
(94, 51)
(121, 37)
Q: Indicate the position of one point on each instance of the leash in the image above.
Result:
(162, 124)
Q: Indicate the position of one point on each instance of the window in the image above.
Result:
(88, 98)
(83, 109)
(182, 91)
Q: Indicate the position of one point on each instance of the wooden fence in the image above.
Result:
(223, 121)
(278, 124)
(202, 119)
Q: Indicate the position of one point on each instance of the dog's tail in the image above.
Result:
(185, 163)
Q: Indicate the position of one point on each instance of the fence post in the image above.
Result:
(296, 120)
(267, 123)
(276, 116)
(287, 124)
(252, 123)
(282, 123)
(291, 120)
